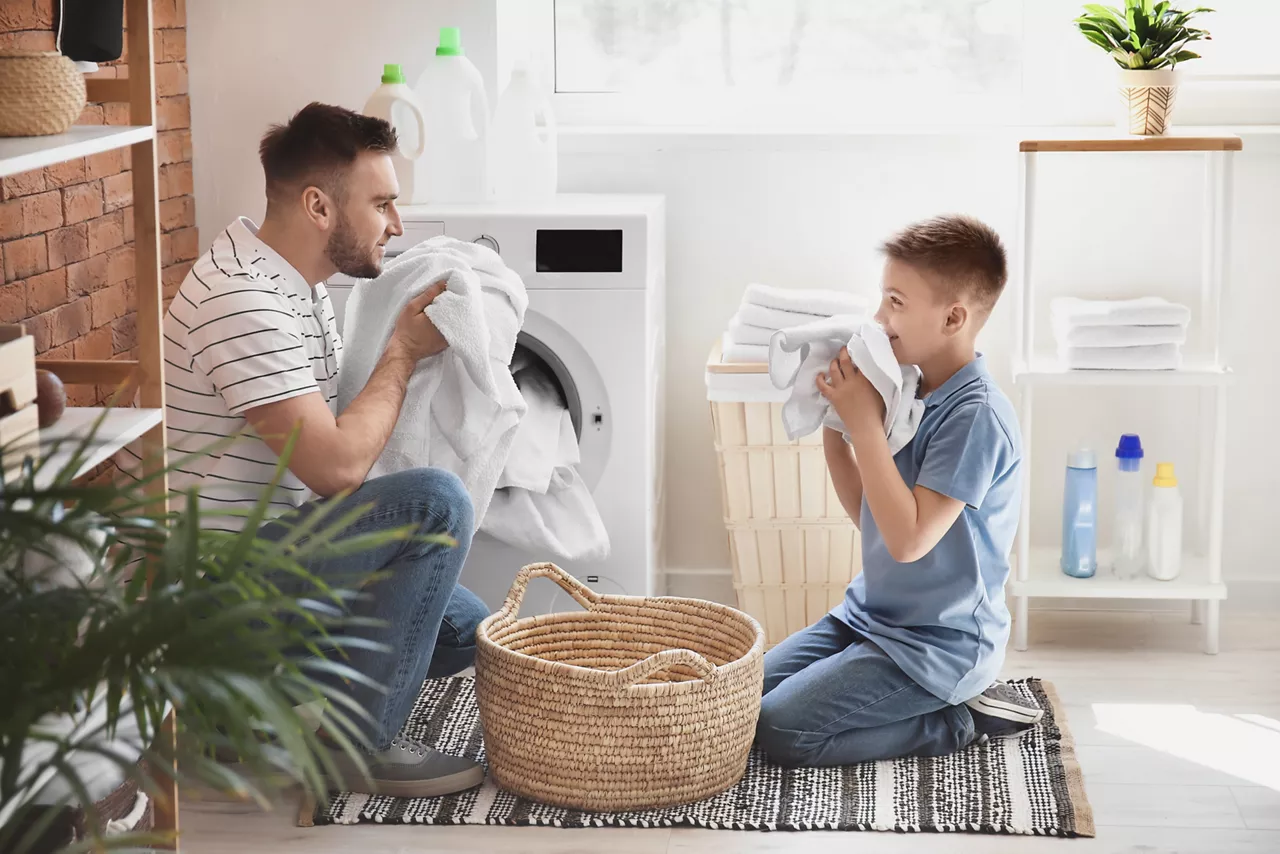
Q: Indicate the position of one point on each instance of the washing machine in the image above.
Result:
(594, 268)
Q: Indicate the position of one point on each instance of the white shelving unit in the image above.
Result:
(115, 428)
(24, 153)
(1036, 572)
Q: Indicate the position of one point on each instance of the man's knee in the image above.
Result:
(776, 735)
(447, 501)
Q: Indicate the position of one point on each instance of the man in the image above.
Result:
(252, 351)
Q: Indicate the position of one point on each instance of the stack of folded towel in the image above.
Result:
(765, 310)
(1144, 334)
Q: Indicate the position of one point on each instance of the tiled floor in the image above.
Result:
(1181, 753)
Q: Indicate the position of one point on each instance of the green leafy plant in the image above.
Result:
(227, 628)
(1145, 35)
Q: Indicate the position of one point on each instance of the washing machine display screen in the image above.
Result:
(562, 250)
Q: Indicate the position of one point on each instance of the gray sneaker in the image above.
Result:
(999, 712)
(407, 769)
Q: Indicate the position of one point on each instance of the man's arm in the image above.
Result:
(335, 454)
(845, 476)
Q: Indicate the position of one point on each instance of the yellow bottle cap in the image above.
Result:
(1164, 475)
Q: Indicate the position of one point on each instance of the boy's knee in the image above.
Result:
(775, 737)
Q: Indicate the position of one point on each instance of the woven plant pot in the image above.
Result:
(1147, 98)
(637, 703)
(41, 93)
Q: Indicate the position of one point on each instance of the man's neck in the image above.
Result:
(944, 366)
(313, 266)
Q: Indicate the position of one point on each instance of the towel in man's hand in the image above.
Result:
(461, 407)
(797, 356)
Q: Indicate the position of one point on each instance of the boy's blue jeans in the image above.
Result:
(429, 621)
(832, 697)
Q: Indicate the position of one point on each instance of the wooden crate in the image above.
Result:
(20, 427)
(793, 547)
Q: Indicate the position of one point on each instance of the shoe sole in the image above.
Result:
(1005, 711)
(433, 788)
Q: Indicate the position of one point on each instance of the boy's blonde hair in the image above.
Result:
(961, 250)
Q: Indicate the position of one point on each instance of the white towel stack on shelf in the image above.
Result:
(1143, 334)
(765, 310)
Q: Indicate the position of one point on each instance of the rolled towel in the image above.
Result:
(1145, 311)
(1152, 357)
(1119, 336)
(733, 352)
(821, 302)
(745, 333)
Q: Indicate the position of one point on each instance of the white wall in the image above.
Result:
(253, 63)
(807, 212)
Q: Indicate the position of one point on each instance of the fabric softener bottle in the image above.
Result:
(1080, 515)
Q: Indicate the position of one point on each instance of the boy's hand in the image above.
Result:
(851, 394)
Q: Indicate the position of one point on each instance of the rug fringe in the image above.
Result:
(1071, 765)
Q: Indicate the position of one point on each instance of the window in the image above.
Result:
(832, 63)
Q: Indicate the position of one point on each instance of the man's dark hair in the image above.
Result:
(316, 145)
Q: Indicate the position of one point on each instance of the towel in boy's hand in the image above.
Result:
(797, 356)
(461, 408)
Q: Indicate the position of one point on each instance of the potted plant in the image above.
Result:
(1147, 40)
(111, 615)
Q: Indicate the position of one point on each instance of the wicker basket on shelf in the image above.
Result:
(41, 93)
(635, 703)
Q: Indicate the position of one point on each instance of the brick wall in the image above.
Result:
(66, 231)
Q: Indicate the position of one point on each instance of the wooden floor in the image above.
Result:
(1181, 753)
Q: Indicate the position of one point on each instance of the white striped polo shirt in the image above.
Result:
(245, 329)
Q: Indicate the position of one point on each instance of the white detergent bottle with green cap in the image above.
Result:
(396, 103)
(522, 148)
(454, 164)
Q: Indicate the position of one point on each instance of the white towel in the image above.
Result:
(745, 333)
(545, 440)
(733, 351)
(461, 408)
(1145, 311)
(797, 356)
(1119, 336)
(773, 318)
(823, 303)
(1153, 357)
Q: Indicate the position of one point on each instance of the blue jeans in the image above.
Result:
(427, 619)
(832, 697)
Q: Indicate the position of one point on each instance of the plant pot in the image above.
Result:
(1147, 101)
(41, 93)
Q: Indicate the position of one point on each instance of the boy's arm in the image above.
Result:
(911, 522)
(845, 476)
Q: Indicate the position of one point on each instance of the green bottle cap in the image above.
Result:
(450, 42)
(392, 73)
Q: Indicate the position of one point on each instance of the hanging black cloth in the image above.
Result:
(91, 30)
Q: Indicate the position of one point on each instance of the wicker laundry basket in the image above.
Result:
(794, 548)
(635, 703)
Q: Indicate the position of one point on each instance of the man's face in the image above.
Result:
(366, 217)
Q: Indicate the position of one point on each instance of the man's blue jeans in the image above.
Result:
(428, 620)
(832, 697)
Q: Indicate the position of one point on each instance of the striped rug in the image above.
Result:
(1030, 785)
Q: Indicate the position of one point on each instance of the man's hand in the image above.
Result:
(851, 394)
(415, 336)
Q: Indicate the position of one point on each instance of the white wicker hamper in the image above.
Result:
(794, 549)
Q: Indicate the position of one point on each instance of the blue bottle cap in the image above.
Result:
(1130, 447)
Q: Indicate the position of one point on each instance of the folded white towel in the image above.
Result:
(733, 352)
(797, 356)
(1152, 357)
(774, 318)
(1119, 336)
(745, 333)
(824, 303)
(1145, 311)
(461, 407)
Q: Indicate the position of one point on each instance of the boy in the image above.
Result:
(907, 664)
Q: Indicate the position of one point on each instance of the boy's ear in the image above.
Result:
(957, 317)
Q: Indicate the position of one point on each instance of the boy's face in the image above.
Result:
(913, 314)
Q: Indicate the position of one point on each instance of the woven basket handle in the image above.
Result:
(645, 668)
(581, 593)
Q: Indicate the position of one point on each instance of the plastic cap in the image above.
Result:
(392, 73)
(450, 42)
(1165, 476)
(1130, 447)
(1082, 459)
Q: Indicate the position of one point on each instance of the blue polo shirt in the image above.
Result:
(943, 618)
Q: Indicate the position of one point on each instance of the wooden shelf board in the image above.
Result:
(61, 442)
(1104, 139)
(24, 153)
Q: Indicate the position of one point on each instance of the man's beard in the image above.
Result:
(348, 256)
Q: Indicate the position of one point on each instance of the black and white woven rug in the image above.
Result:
(1031, 785)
